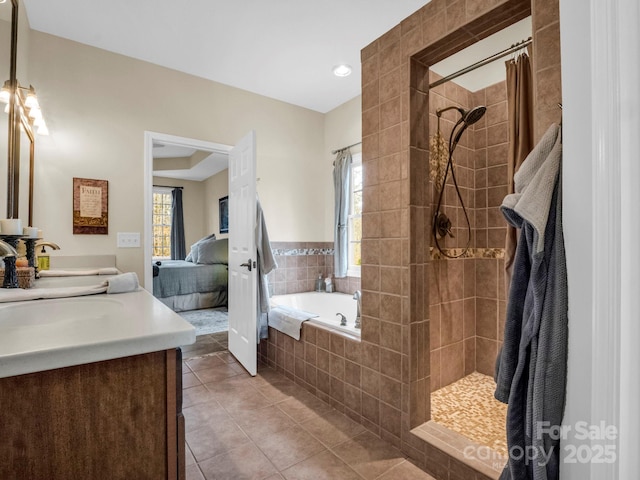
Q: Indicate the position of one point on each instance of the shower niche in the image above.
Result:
(468, 142)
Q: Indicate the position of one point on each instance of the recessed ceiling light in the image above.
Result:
(342, 70)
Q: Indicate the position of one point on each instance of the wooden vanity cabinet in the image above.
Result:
(116, 419)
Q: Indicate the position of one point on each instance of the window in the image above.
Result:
(355, 217)
(162, 201)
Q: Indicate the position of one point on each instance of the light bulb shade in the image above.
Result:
(35, 113)
(31, 101)
(43, 130)
(5, 96)
(6, 108)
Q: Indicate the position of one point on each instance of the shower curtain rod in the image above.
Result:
(513, 48)
(168, 186)
(344, 148)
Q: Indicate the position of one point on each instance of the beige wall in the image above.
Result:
(193, 198)
(216, 187)
(98, 106)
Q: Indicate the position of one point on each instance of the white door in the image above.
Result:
(242, 253)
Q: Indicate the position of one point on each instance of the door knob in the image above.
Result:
(248, 264)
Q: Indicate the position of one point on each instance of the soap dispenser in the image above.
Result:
(43, 260)
(319, 283)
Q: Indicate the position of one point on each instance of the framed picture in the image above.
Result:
(224, 214)
(90, 206)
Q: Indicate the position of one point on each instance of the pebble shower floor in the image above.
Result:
(469, 408)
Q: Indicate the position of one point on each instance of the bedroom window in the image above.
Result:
(162, 222)
(355, 217)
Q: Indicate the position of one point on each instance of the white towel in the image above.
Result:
(20, 295)
(288, 320)
(78, 273)
(127, 282)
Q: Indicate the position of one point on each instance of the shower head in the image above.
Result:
(472, 116)
(469, 117)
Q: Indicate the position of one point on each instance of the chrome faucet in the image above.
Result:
(7, 250)
(357, 296)
(47, 244)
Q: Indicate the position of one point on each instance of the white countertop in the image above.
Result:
(42, 335)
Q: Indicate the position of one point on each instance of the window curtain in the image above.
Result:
(178, 247)
(342, 185)
(520, 119)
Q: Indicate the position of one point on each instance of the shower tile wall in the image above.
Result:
(466, 303)
(491, 151)
(451, 280)
(299, 264)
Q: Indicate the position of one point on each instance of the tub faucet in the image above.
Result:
(357, 296)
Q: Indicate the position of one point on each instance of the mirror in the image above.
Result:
(20, 139)
(25, 178)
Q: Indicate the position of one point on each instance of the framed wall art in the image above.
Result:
(90, 206)
(224, 214)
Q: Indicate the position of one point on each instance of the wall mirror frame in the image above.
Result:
(20, 131)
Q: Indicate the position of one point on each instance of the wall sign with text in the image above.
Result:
(90, 206)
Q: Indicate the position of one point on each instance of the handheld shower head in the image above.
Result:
(472, 116)
(469, 117)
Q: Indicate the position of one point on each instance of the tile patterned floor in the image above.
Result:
(469, 408)
(267, 427)
(205, 344)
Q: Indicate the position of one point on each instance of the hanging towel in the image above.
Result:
(288, 320)
(266, 264)
(531, 368)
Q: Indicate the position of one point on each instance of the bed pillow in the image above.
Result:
(193, 253)
(213, 251)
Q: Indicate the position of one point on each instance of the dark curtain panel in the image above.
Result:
(178, 248)
(520, 105)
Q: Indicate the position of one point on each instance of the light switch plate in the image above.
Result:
(128, 239)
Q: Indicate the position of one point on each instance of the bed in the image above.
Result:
(198, 282)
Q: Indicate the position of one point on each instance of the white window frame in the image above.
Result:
(162, 190)
(352, 269)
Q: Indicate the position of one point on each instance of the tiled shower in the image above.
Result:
(467, 294)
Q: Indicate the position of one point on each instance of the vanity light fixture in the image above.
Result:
(27, 101)
(342, 70)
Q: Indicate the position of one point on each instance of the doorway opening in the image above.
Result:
(199, 169)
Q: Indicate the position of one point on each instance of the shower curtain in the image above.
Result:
(341, 179)
(178, 247)
(520, 106)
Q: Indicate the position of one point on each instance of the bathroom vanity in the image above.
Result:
(90, 387)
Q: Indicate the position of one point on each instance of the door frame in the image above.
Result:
(149, 138)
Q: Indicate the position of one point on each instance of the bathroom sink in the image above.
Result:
(58, 311)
